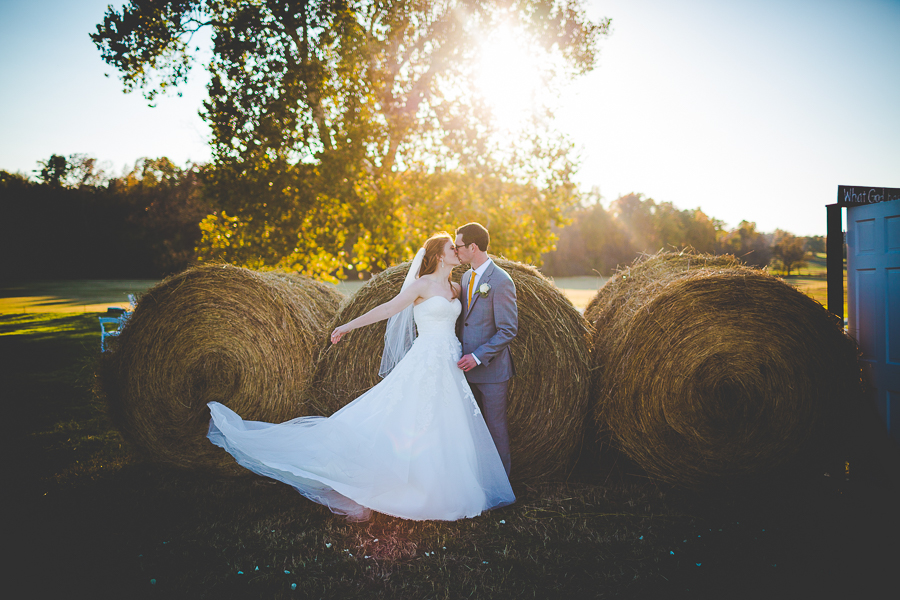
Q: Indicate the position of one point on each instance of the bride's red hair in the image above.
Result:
(434, 248)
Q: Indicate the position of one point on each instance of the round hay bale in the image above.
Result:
(218, 333)
(652, 271)
(710, 373)
(548, 398)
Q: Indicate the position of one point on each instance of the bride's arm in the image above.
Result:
(382, 311)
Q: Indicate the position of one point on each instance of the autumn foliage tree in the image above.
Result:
(345, 132)
(594, 242)
(599, 239)
(748, 244)
(789, 251)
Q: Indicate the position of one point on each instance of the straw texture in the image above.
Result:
(219, 333)
(709, 373)
(548, 397)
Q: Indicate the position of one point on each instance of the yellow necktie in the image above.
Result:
(471, 287)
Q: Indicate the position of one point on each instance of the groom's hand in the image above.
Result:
(467, 363)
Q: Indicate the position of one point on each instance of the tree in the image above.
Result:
(789, 251)
(747, 244)
(600, 240)
(593, 243)
(8, 180)
(74, 171)
(636, 215)
(341, 127)
(84, 170)
(53, 171)
(169, 206)
(701, 231)
(815, 243)
(142, 225)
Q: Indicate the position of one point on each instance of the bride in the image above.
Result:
(414, 446)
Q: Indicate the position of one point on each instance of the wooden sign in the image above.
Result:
(855, 195)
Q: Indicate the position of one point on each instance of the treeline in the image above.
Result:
(77, 221)
(599, 239)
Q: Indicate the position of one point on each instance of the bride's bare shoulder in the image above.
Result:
(420, 283)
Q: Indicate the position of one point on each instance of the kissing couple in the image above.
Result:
(430, 441)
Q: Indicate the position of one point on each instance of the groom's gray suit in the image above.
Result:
(485, 328)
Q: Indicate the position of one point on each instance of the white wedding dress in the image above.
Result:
(414, 446)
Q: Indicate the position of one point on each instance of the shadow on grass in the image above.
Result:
(86, 518)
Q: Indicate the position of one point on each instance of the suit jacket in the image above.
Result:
(486, 328)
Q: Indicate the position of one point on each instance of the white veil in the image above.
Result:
(401, 328)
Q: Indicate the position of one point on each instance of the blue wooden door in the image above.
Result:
(873, 301)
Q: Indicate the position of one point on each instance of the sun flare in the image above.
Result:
(507, 76)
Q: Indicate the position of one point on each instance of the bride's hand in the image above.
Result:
(338, 333)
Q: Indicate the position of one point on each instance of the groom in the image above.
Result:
(488, 323)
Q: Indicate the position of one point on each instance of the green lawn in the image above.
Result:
(87, 519)
(815, 267)
(64, 296)
(96, 295)
(811, 280)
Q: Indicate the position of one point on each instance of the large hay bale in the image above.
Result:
(651, 273)
(218, 333)
(548, 397)
(711, 373)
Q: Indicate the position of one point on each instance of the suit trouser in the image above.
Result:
(491, 398)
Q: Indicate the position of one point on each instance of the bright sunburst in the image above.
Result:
(507, 76)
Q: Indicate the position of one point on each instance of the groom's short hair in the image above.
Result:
(475, 233)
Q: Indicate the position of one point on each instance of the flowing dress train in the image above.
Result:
(414, 446)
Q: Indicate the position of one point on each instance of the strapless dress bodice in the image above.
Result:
(437, 316)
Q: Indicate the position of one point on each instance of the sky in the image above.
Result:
(749, 110)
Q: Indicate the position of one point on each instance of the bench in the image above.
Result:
(111, 324)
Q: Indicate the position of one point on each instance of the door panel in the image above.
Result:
(867, 296)
(892, 316)
(873, 297)
(892, 233)
(865, 229)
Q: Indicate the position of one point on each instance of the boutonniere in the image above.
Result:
(483, 289)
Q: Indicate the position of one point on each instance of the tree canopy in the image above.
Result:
(76, 170)
(345, 132)
(601, 240)
(789, 251)
(79, 222)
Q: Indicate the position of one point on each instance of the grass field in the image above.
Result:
(811, 280)
(88, 296)
(87, 518)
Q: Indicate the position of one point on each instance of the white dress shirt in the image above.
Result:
(477, 276)
(478, 273)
